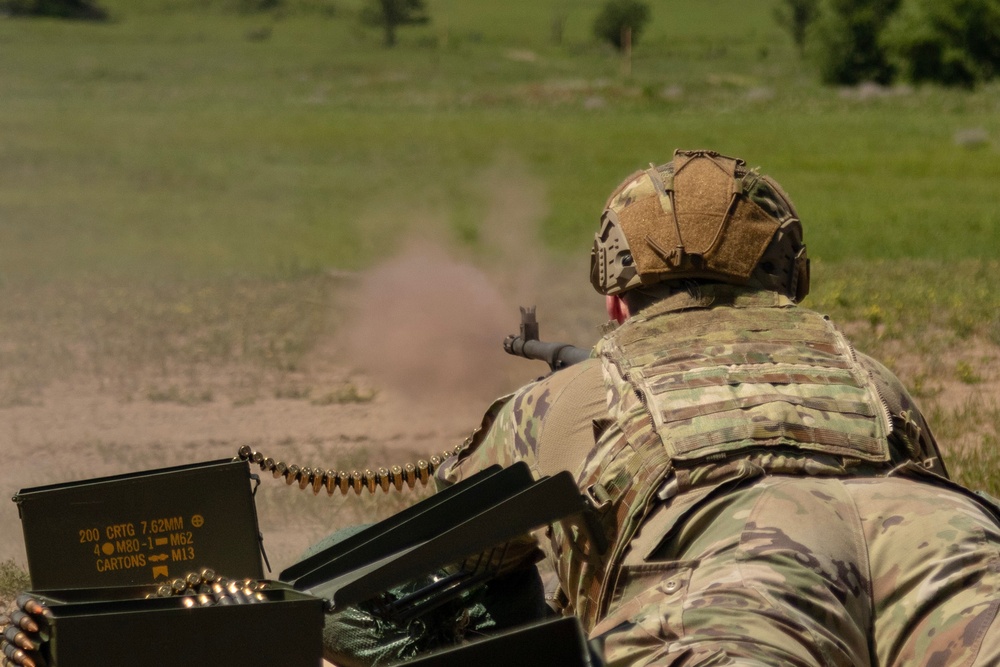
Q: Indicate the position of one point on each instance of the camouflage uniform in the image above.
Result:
(770, 495)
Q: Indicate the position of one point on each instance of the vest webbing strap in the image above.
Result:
(630, 489)
(762, 433)
(815, 403)
(718, 377)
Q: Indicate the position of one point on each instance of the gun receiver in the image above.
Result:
(527, 345)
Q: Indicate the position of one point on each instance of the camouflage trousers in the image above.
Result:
(815, 571)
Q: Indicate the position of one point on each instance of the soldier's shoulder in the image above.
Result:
(584, 371)
(544, 390)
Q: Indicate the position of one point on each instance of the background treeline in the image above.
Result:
(953, 42)
(68, 9)
(950, 42)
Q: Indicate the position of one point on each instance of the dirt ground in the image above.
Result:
(420, 404)
(409, 399)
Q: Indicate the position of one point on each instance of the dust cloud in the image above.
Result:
(430, 327)
(428, 323)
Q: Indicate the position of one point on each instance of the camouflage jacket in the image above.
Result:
(695, 392)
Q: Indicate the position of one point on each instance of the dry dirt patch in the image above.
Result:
(374, 398)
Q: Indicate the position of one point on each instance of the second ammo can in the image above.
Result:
(142, 527)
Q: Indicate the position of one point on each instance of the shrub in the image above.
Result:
(952, 42)
(66, 9)
(795, 16)
(390, 14)
(618, 15)
(844, 40)
(259, 6)
(13, 579)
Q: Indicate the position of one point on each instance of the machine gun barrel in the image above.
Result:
(527, 345)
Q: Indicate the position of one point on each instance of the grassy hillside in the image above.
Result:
(200, 141)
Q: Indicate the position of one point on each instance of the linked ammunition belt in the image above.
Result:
(205, 589)
(23, 635)
(29, 627)
(319, 478)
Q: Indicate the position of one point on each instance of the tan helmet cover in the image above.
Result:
(700, 216)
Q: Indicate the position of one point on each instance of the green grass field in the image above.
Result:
(182, 142)
(185, 153)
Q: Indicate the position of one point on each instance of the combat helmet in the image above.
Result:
(701, 216)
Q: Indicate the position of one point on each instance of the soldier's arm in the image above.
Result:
(494, 441)
(548, 424)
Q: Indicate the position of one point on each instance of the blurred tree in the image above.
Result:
(795, 17)
(952, 42)
(620, 22)
(560, 13)
(67, 9)
(844, 40)
(390, 14)
(255, 6)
